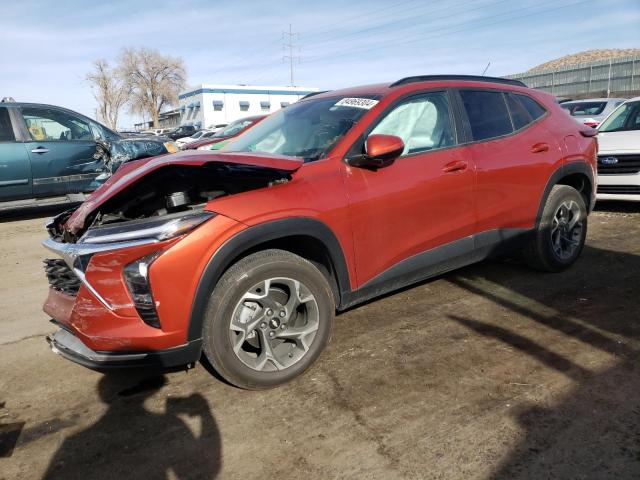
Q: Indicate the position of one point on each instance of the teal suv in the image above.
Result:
(48, 151)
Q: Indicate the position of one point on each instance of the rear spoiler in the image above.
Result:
(588, 132)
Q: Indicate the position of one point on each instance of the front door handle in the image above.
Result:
(40, 150)
(455, 166)
(540, 147)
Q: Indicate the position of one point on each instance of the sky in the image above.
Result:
(47, 47)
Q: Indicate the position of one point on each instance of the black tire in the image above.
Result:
(539, 252)
(233, 286)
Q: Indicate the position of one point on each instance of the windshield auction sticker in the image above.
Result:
(364, 103)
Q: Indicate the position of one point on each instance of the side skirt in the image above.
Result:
(439, 260)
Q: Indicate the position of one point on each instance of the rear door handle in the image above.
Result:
(455, 166)
(40, 150)
(540, 147)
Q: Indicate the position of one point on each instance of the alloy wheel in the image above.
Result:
(274, 324)
(566, 230)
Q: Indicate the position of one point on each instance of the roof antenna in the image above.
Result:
(485, 69)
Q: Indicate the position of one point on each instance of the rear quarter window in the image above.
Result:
(534, 108)
(6, 130)
(519, 115)
(487, 113)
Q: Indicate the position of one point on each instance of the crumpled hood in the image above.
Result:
(129, 173)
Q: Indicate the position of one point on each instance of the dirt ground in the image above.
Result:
(492, 372)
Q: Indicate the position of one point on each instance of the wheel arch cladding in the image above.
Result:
(575, 174)
(300, 235)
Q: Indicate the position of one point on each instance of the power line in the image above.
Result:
(249, 61)
(412, 20)
(289, 46)
(265, 67)
(443, 31)
(360, 17)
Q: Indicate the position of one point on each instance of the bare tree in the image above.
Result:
(110, 92)
(155, 80)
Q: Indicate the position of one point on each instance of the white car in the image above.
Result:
(217, 127)
(619, 153)
(591, 111)
(184, 140)
(157, 131)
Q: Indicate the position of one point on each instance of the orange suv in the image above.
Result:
(247, 253)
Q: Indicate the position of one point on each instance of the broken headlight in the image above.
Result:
(136, 276)
(154, 228)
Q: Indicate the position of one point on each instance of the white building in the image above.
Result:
(206, 105)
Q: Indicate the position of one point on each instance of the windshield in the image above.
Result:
(625, 117)
(582, 109)
(234, 127)
(306, 129)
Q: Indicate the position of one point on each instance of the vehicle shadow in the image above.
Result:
(594, 431)
(177, 438)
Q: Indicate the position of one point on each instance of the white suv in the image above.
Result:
(619, 153)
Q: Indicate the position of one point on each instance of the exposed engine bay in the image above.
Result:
(170, 190)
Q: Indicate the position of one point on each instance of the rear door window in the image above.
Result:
(487, 113)
(6, 130)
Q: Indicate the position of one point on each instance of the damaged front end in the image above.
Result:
(108, 247)
(129, 149)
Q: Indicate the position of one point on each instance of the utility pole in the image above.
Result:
(289, 46)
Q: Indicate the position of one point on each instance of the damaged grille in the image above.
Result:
(61, 277)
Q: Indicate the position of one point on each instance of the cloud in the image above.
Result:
(342, 44)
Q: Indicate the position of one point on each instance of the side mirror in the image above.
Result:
(380, 151)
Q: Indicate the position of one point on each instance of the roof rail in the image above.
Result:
(313, 93)
(472, 78)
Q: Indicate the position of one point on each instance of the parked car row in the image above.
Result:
(223, 136)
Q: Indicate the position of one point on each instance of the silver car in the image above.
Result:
(591, 111)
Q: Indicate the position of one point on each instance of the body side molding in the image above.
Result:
(436, 261)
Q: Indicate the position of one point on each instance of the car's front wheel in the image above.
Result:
(269, 318)
(560, 236)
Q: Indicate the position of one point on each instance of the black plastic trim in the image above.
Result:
(244, 241)
(439, 260)
(172, 357)
(561, 172)
(470, 78)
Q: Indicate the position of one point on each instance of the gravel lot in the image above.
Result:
(493, 371)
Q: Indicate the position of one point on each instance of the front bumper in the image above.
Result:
(69, 346)
(619, 187)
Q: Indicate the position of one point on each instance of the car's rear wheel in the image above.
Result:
(268, 319)
(560, 236)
